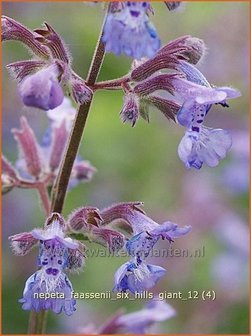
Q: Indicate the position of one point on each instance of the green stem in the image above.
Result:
(37, 322)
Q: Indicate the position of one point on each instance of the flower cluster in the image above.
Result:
(172, 73)
(136, 275)
(43, 80)
(57, 253)
(163, 78)
(40, 163)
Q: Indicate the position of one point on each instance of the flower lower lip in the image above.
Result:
(52, 271)
(134, 13)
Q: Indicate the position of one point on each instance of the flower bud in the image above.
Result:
(130, 111)
(42, 89)
(196, 50)
(81, 93)
(29, 148)
(82, 171)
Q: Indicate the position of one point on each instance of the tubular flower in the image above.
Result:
(49, 288)
(136, 275)
(128, 30)
(200, 143)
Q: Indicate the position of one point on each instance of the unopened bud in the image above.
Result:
(81, 93)
(196, 50)
(82, 171)
(42, 89)
(130, 110)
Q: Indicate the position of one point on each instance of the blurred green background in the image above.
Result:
(141, 163)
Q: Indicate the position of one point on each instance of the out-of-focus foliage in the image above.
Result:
(141, 163)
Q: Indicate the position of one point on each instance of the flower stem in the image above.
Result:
(37, 322)
(60, 187)
(44, 197)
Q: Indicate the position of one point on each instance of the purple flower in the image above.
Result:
(128, 30)
(138, 322)
(200, 144)
(82, 171)
(136, 275)
(49, 288)
(206, 145)
(131, 109)
(42, 89)
(65, 112)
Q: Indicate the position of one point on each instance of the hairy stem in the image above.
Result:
(60, 187)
